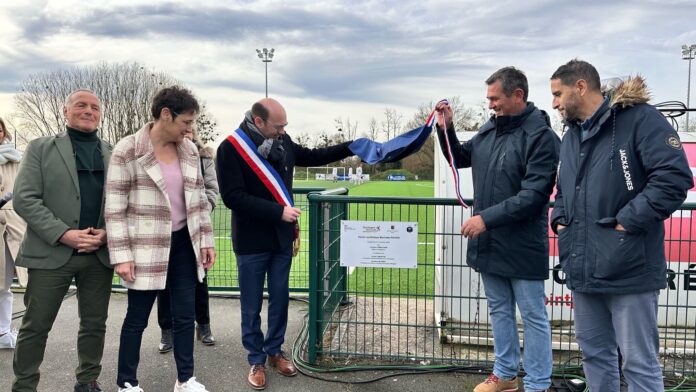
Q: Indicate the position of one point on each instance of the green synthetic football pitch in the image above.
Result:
(376, 188)
(376, 281)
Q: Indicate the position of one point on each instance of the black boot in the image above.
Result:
(204, 334)
(92, 386)
(165, 345)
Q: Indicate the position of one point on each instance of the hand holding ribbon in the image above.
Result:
(444, 111)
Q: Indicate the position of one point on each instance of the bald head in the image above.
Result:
(269, 117)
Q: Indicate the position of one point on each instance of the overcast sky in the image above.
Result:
(348, 58)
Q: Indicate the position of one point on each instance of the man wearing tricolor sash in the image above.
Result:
(513, 158)
(255, 166)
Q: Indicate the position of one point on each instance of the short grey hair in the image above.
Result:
(69, 98)
(511, 79)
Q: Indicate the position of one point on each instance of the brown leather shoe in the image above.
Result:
(282, 364)
(257, 377)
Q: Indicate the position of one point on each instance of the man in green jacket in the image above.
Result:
(59, 193)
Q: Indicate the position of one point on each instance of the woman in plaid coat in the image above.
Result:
(159, 230)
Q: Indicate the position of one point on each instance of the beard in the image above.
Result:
(571, 110)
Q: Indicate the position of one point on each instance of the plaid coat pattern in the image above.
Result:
(138, 212)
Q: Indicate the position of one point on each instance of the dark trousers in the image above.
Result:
(252, 271)
(181, 283)
(43, 298)
(164, 314)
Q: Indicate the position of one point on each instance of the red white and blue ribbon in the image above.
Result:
(453, 166)
(260, 166)
(431, 118)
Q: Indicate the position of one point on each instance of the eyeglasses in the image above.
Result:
(188, 123)
(276, 127)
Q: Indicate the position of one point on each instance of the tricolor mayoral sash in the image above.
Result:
(268, 176)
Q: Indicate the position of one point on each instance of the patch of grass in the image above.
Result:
(381, 281)
(322, 184)
(395, 188)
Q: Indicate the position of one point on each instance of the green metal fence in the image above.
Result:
(437, 313)
(223, 276)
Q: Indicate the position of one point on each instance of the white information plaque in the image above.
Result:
(379, 244)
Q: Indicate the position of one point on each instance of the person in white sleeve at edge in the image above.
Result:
(12, 229)
(160, 235)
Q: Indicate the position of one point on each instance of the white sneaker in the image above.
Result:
(189, 386)
(130, 388)
(9, 340)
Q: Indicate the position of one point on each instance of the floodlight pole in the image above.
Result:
(688, 53)
(266, 56)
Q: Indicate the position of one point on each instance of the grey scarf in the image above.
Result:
(265, 147)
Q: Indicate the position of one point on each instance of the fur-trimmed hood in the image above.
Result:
(628, 92)
(622, 94)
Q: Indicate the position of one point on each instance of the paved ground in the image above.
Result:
(221, 367)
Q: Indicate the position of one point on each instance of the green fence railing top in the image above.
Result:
(305, 190)
(333, 197)
(329, 192)
(383, 199)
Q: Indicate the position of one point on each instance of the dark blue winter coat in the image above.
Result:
(631, 170)
(513, 161)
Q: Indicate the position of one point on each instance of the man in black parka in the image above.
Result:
(513, 159)
(622, 172)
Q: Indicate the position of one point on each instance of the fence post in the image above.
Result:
(343, 270)
(313, 343)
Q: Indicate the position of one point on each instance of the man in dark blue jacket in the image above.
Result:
(513, 159)
(622, 172)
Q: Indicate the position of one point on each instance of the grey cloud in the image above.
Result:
(18, 66)
(355, 50)
(200, 22)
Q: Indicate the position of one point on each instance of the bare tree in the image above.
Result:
(206, 124)
(303, 139)
(125, 90)
(465, 118)
(325, 139)
(422, 163)
(391, 126)
(680, 125)
(348, 128)
(557, 122)
(373, 129)
(320, 139)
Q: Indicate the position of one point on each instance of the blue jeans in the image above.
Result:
(607, 322)
(252, 271)
(503, 294)
(181, 283)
